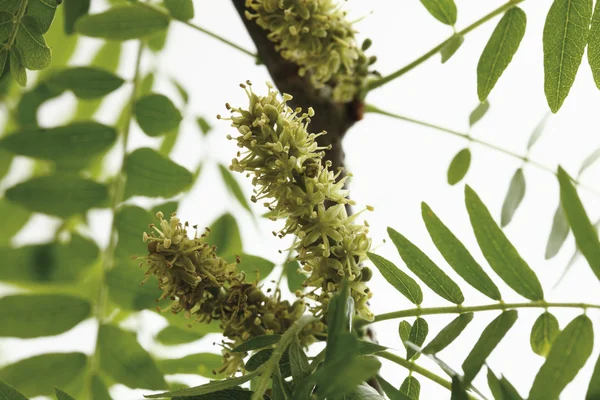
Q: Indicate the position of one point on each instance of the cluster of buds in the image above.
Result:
(205, 287)
(293, 181)
(316, 36)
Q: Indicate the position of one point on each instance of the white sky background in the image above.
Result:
(396, 165)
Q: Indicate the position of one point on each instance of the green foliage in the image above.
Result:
(543, 333)
(85, 82)
(156, 114)
(451, 47)
(9, 393)
(234, 187)
(459, 166)
(448, 334)
(203, 364)
(398, 279)
(180, 9)
(442, 10)
(479, 112)
(418, 334)
(514, 197)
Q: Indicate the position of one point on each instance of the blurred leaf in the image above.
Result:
(123, 359)
(169, 140)
(68, 145)
(202, 364)
(17, 70)
(568, 355)
(85, 82)
(537, 132)
(224, 234)
(51, 370)
(204, 126)
(459, 166)
(558, 232)
(42, 12)
(235, 393)
(448, 334)
(156, 42)
(125, 288)
(99, 390)
(27, 109)
(131, 222)
(35, 53)
(589, 161)
(418, 334)
(258, 342)
(451, 47)
(211, 387)
(62, 45)
(74, 9)
(411, 387)
(60, 395)
(9, 393)
(514, 197)
(543, 333)
(18, 217)
(585, 234)
(425, 269)
(362, 392)
(442, 10)
(189, 325)
(156, 114)
(499, 50)
(403, 283)
(457, 255)
(180, 9)
(60, 195)
(299, 366)
(6, 25)
(479, 112)
(151, 174)
(593, 392)
(499, 252)
(487, 342)
(565, 37)
(167, 208)
(122, 23)
(46, 314)
(146, 84)
(295, 278)
(181, 90)
(255, 267)
(172, 335)
(234, 187)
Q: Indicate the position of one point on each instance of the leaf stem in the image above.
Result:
(108, 256)
(373, 109)
(374, 84)
(412, 367)
(460, 309)
(273, 362)
(201, 29)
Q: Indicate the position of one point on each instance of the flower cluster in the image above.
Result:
(294, 182)
(208, 288)
(316, 36)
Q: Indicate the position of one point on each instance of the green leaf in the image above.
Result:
(42, 12)
(558, 232)
(343, 376)
(404, 328)
(499, 252)
(390, 390)
(565, 37)
(156, 42)
(67, 145)
(99, 390)
(487, 342)
(156, 114)
(589, 161)
(17, 70)
(295, 278)
(585, 234)
(261, 357)
(35, 54)
(151, 174)
(543, 333)
(593, 392)
(339, 321)
(181, 90)
(442, 10)
(60, 195)
(60, 395)
(362, 392)
(538, 131)
(418, 334)
(123, 359)
(459, 166)
(255, 267)
(225, 234)
(172, 335)
(86, 82)
(203, 364)
(593, 49)
(6, 24)
(280, 391)
(411, 387)
(459, 391)
(214, 386)
(130, 223)
(298, 361)
(568, 355)
(18, 217)
(9, 393)
(122, 23)
(74, 9)
(258, 342)
(179, 321)
(403, 283)
(457, 255)
(62, 45)
(29, 316)
(204, 126)
(125, 288)
(448, 334)
(479, 112)
(499, 50)
(180, 9)
(514, 197)
(366, 348)
(234, 187)
(3, 57)
(425, 269)
(51, 370)
(451, 47)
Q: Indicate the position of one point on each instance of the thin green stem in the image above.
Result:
(108, 256)
(203, 30)
(374, 84)
(411, 366)
(375, 110)
(273, 362)
(460, 309)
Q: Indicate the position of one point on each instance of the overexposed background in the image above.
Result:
(395, 165)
